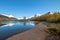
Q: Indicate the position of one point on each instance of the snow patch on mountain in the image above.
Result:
(38, 14)
(51, 13)
(19, 18)
(7, 15)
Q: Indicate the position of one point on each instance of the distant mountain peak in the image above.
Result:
(38, 14)
(7, 15)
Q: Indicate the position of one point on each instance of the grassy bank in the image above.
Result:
(52, 18)
(54, 31)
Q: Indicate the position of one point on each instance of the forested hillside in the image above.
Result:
(49, 17)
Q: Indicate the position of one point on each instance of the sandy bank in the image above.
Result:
(36, 33)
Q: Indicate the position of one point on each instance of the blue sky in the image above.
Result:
(21, 8)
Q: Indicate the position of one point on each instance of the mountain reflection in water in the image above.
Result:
(2, 24)
(11, 28)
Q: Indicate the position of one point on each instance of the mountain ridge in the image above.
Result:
(6, 18)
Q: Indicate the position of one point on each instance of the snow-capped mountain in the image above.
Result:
(7, 15)
(19, 18)
(35, 15)
(51, 13)
(3, 16)
(38, 14)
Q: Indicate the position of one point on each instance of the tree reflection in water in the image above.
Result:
(24, 23)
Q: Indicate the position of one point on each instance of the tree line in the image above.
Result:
(49, 17)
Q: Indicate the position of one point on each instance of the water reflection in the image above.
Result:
(6, 23)
(12, 23)
(31, 23)
(9, 24)
(2, 24)
(12, 28)
(24, 23)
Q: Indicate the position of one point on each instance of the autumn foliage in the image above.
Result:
(49, 17)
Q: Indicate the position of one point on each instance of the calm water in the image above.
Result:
(12, 28)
